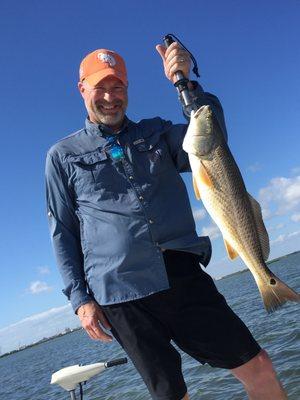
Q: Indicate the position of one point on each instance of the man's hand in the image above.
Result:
(175, 58)
(90, 314)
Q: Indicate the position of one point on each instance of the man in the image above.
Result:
(125, 239)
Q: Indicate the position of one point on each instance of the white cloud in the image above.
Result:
(266, 213)
(254, 167)
(295, 217)
(296, 170)
(275, 227)
(284, 237)
(44, 270)
(37, 317)
(37, 326)
(281, 193)
(281, 238)
(199, 214)
(37, 287)
(212, 231)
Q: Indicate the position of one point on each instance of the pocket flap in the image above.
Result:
(89, 158)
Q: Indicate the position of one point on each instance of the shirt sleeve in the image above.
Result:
(202, 98)
(65, 232)
(175, 132)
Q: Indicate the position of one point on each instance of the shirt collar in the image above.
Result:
(104, 130)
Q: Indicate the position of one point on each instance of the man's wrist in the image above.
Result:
(83, 303)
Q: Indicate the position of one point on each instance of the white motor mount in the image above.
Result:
(68, 378)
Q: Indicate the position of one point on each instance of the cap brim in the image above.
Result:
(97, 77)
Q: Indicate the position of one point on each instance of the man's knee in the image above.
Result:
(258, 369)
(263, 365)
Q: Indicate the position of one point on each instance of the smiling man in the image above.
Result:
(125, 241)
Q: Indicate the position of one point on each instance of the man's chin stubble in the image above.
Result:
(109, 120)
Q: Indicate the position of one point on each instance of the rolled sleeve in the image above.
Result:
(65, 232)
(202, 98)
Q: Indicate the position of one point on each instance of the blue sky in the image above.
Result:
(248, 55)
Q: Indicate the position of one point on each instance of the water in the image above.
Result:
(26, 375)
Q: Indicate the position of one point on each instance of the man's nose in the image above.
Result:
(108, 95)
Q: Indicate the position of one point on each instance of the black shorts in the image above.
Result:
(194, 315)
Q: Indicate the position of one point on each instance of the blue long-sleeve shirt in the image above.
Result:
(109, 220)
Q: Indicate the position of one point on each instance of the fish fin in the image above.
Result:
(232, 254)
(261, 229)
(275, 293)
(204, 175)
(196, 189)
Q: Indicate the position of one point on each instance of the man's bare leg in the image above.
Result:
(259, 378)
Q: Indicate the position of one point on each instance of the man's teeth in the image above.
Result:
(109, 107)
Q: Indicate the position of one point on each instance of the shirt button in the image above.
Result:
(130, 177)
(151, 221)
(141, 198)
(49, 214)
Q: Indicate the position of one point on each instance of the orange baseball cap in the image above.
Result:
(102, 63)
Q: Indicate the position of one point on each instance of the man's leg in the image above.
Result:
(207, 329)
(139, 326)
(259, 378)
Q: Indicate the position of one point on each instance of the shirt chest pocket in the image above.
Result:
(152, 154)
(89, 169)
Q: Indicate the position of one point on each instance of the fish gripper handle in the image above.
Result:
(115, 362)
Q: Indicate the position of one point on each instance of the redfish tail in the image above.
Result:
(275, 293)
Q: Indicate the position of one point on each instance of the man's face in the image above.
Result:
(106, 103)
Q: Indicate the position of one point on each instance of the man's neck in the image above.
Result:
(108, 128)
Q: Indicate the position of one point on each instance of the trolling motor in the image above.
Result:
(182, 83)
(68, 378)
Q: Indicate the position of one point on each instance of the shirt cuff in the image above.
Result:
(197, 93)
(77, 293)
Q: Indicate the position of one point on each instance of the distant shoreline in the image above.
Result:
(44, 340)
(242, 271)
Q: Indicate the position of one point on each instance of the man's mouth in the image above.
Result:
(109, 109)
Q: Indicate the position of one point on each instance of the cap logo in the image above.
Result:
(107, 58)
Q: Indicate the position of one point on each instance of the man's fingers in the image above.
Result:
(182, 66)
(103, 320)
(99, 333)
(93, 329)
(175, 58)
(176, 54)
(91, 333)
(96, 333)
(178, 57)
(90, 314)
(179, 66)
(173, 46)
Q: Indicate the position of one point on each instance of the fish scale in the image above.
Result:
(219, 183)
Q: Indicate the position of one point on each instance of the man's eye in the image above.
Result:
(115, 89)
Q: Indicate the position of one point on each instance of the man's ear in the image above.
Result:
(81, 88)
